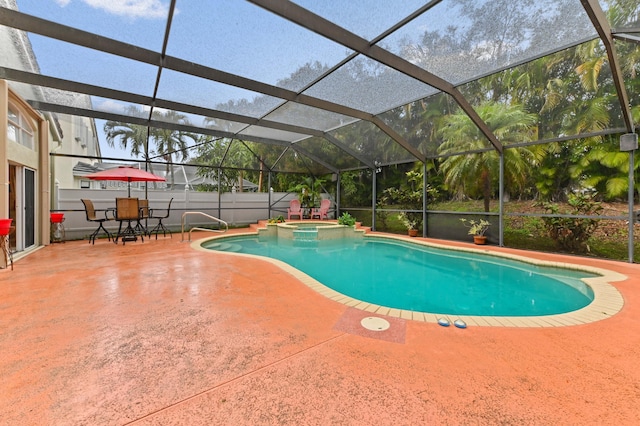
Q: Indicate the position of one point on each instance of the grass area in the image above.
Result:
(609, 241)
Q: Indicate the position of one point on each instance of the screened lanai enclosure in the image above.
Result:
(519, 113)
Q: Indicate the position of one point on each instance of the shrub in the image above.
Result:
(569, 233)
(346, 219)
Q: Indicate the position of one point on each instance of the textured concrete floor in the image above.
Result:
(157, 333)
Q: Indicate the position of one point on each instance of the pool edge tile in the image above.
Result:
(607, 302)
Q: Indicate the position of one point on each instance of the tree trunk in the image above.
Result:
(486, 188)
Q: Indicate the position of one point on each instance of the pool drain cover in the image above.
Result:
(375, 323)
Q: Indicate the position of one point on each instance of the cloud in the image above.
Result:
(63, 3)
(149, 9)
(110, 106)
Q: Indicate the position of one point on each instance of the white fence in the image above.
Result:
(240, 208)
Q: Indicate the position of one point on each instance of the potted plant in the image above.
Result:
(409, 223)
(477, 228)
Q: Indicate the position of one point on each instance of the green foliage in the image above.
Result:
(169, 144)
(277, 219)
(356, 188)
(346, 219)
(309, 191)
(406, 221)
(476, 227)
(570, 233)
(408, 196)
(474, 175)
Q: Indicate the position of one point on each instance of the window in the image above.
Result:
(18, 128)
(85, 184)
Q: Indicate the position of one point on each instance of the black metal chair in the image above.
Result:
(160, 214)
(90, 211)
(141, 225)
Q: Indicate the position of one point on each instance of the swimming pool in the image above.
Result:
(419, 278)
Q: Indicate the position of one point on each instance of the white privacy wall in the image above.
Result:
(234, 208)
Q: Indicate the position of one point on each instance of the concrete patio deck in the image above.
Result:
(158, 333)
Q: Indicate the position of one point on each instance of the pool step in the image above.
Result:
(230, 247)
(305, 243)
(305, 234)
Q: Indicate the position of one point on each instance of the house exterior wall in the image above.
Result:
(78, 138)
(57, 133)
(35, 158)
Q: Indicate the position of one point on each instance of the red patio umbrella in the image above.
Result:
(126, 174)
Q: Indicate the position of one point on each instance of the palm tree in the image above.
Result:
(133, 136)
(471, 174)
(172, 143)
(130, 136)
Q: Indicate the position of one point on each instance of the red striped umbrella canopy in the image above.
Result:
(126, 174)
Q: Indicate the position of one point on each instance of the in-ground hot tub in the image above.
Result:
(307, 230)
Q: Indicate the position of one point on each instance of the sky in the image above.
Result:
(108, 18)
(210, 32)
(230, 35)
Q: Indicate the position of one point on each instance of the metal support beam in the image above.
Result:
(374, 195)
(399, 139)
(219, 192)
(269, 191)
(348, 150)
(338, 196)
(601, 24)
(87, 89)
(313, 157)
(501, 203)
(44, 106)
(424, 199)
(21, 21)
(632, 214)
(294, 13)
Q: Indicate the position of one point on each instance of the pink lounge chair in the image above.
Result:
(294, 209)
(321, 213)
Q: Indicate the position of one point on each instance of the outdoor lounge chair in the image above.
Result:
(160, 214)
(90, 211)
(322, 212)
(294, 209)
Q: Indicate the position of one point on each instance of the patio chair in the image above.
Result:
(92, 216)
(160, 214)
(141, 227)
(127, 210)
(294, 209)
(322, 212)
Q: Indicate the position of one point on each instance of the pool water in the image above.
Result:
(425, 279)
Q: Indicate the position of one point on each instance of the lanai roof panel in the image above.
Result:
(192, 90)
(459, 40)
(367, 85)
(274, 134)
(366, 18)
(314, 118)
(329, 153)
(133, 22)
(371, 144)
(76, 63)
(246, 40)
